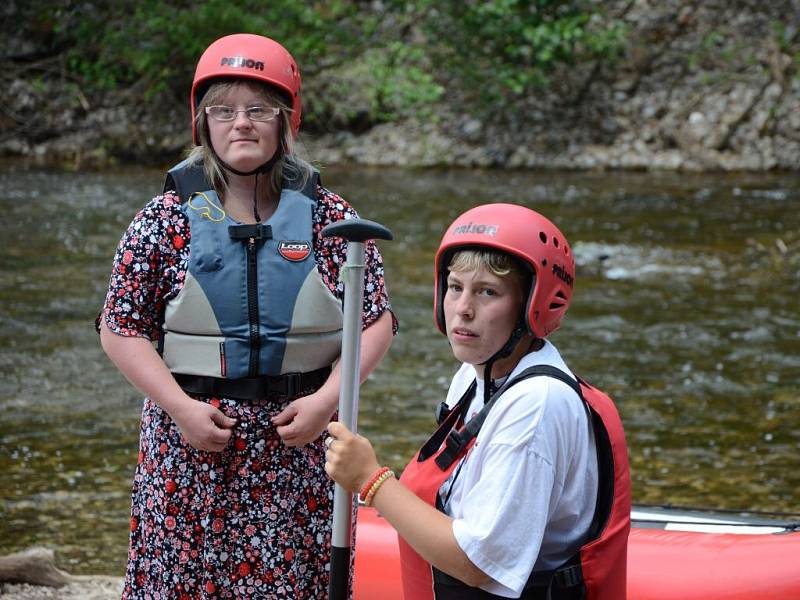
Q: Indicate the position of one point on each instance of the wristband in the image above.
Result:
(365, 490)
(386, 475)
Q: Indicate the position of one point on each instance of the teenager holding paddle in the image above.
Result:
(227, 272)
(524, 490)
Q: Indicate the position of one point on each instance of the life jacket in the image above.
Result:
(254, 314)
(598, 570)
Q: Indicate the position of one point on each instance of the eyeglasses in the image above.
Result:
(225, 114)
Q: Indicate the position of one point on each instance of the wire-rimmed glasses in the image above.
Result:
(225, 114)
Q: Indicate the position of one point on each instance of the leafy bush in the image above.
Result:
(507, 48)
(361, 62)
(157, 44)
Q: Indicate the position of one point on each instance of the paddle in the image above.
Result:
(357, 232)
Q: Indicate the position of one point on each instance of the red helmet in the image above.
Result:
(248, 56)
(527, 236)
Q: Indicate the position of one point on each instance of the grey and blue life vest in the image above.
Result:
(253, 304)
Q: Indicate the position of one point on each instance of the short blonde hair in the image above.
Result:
(288, 165)
(497, 263)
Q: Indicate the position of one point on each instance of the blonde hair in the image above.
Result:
(497, 263)
(289, 166)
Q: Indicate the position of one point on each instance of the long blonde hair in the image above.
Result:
(289, 166)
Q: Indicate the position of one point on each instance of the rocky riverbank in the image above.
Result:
(33, 575)
(83, 588)
(703, 86)
(709, 85)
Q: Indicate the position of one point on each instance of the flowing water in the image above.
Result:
(686, 311)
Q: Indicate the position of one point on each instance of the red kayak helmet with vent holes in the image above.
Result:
(529, 237)
(248, 56)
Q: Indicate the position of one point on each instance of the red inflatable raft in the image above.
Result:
(672, 555)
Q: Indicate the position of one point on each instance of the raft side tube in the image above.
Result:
(760, 560)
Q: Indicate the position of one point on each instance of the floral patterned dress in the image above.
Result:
(253, 521)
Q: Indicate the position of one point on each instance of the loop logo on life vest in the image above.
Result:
(294, 251)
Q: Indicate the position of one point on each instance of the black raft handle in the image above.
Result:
(357, 230)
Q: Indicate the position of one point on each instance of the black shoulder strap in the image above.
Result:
(186, 178)
(457, 440)
(448, 423)
(605, 458)
(310, 188)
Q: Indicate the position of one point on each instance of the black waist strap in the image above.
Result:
(564, 583)
(253, 388)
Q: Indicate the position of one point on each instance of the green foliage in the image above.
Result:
(384, 60)
(157, 44)
(510, 47)
(399, 84)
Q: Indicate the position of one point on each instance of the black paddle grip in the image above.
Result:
(357, 230)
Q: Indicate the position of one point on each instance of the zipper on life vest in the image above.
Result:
(252, 306)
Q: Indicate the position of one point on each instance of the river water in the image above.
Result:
(685, 311)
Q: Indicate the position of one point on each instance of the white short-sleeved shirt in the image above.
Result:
(524, 496)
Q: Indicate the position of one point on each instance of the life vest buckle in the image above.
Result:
(442, 412)
(454, 445)
(247, 231)
(569, 576)
(293, 384)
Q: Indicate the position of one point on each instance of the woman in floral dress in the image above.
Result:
(224, 309)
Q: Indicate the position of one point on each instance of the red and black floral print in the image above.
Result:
(253, 521)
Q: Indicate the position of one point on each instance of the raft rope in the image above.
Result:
(787, 526)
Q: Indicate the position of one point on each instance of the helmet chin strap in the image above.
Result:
(488, 383)
(263, 168)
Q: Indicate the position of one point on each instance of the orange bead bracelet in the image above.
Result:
(386, 475)
(370, 482)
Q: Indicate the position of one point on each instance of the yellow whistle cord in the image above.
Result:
(205, 211)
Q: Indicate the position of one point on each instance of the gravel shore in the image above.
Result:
(81, 588)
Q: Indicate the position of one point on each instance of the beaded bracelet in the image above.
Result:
(365, 490)
(376, 486)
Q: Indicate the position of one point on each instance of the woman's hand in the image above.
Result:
(204, 426)
(350, 459)
(303, 420)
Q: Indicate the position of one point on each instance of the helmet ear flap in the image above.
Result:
(441, 263)
(528, 315)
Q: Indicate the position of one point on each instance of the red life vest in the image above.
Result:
(598, 569)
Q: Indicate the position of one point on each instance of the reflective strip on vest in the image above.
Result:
(207, 325)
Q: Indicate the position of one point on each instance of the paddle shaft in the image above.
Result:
(353, 279)
(357, 232)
